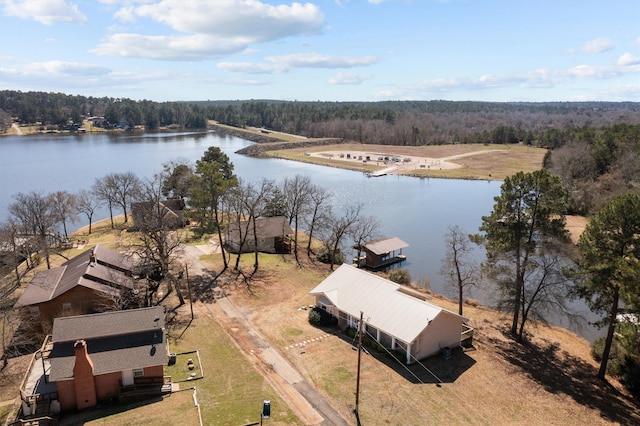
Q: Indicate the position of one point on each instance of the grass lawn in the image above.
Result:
(232, 391)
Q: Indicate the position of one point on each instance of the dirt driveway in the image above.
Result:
(302, 398)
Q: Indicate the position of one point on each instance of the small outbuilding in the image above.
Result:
(380, 254)
(395, 316)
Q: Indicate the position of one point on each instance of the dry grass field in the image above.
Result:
(470, 161)
(549, 380)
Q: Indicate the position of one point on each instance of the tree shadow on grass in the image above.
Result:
(561, 373)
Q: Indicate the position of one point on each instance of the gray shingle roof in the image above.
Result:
(116, 341)
(266, 227)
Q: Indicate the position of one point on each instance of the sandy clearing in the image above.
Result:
(392, 163)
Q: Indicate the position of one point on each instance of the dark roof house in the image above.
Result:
(81, 285)
(166, 214)
(103, 357)
(272, 235)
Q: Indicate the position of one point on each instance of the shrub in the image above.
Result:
(324, 256)
(630, 374)
(400, 276)
(314, 317)
(318, 316)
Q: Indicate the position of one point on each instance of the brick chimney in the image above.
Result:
(83, 380)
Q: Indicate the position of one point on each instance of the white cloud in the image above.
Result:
(348, 78)
(74, 76)
(61, 68)
(628, 59)
(125, 14)
(251, 68)
(283, 63)
(597, 45)
(188, 47)
(208, 29)
(540, 78)
(46, 12)
(316, 60)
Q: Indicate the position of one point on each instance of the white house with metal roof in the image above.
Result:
(394, 315)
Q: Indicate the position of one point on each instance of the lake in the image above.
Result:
(418, 211)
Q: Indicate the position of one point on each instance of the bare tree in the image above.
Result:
(296, 193)
(127, 187)
(363, 230)
(318, 207)
(105, 192)
(34, 212)
(87, 203)
(64, 207)
(11, 247)
(235, 200)
(338, 228)
(547, 288)
(159, 245)
(247, 202)
(458, 268)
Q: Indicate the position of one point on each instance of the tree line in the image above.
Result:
(536, 269)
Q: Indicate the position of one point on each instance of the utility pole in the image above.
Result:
(186, 270)
(357, 413)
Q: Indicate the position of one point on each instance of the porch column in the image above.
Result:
(408, 353)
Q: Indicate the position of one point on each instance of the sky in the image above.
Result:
(324, 50)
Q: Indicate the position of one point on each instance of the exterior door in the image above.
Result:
(127, 378)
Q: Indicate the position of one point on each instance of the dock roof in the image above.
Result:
(385, 245)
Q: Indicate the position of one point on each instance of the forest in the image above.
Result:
(594, 146)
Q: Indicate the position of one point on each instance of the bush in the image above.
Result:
(324, 256)
(630, 374)
(400, 276)
(621, 364)
(314, 317)
(318, 316)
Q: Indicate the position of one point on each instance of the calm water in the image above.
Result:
(417, 211)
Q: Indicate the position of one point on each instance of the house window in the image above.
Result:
(66, 307)
(138, 372)
(35, 311)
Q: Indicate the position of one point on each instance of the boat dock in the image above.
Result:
(384, 171)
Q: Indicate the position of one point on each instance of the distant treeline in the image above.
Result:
(407, 123)
(594, 146)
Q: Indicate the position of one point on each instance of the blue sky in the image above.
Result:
(329, 50)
